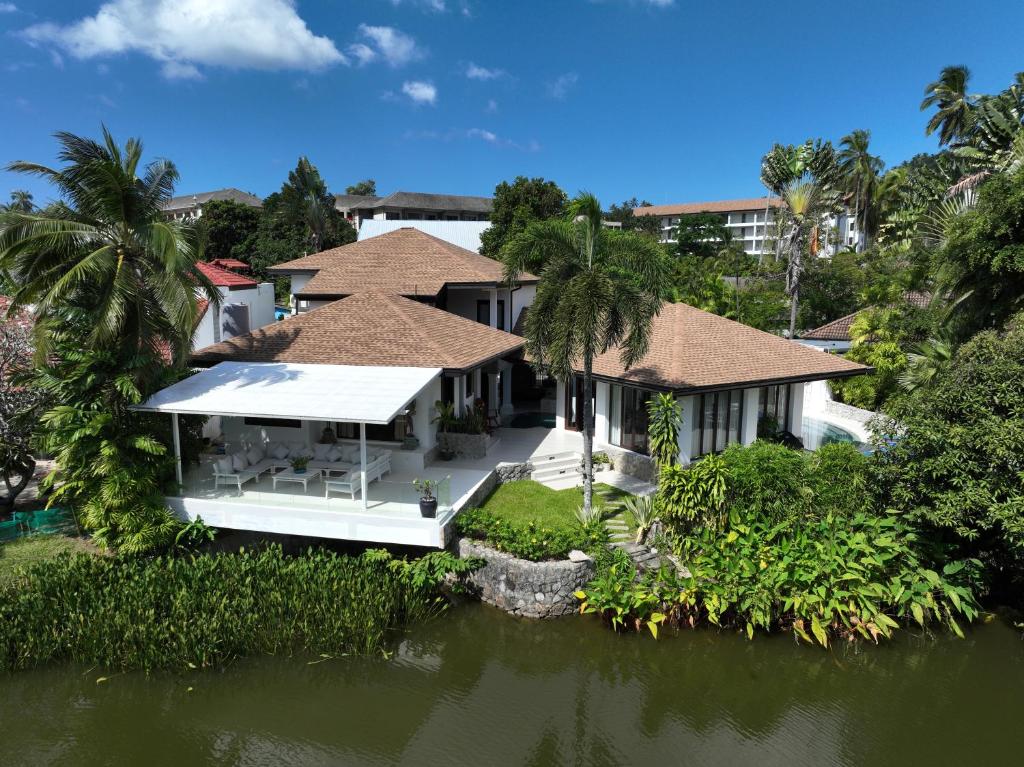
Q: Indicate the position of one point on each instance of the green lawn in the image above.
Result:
(36, 548)
(525, 500)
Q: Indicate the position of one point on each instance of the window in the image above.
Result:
(717, 422)
(483, 312)
(391, 432)
(628, 418)
(772, 408)
(284, 423)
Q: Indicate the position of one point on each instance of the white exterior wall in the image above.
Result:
(260, 301)
(602, 407)
(796, 409)
(748, 429)
(521, 299)
(560, 405)
(424, 430)
(462, 301)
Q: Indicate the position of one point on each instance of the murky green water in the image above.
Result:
(477, 687)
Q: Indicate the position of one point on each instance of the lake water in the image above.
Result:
(478, 687)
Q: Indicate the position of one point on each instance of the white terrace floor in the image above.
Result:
(392, 514)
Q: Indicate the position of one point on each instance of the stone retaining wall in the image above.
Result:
(635, 465)
(511, 472)
(465, 445)
(528, 589)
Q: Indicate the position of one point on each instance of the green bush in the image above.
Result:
(765, 481)
(204, 610)
(529, 540)
(837, 475)
(846, 579)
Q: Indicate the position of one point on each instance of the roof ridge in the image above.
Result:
(413, 326)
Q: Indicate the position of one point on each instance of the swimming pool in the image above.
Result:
(817, 433)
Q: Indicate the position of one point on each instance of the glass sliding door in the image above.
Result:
(717, 421)
(628, 418)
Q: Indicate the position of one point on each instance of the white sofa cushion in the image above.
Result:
(224, 465)
(321, 451)
(335, 454)
(239, 461)
(350, 454)
(254, 454)
(280, 451)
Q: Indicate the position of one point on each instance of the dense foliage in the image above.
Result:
(529, 539)
(774, 539)
(956, 462)
(199, 611)
(516, 206)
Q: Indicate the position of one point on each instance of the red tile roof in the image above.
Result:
(230, 263)
(369, 329)
(715, 206)
(223, 278)
(692, 350)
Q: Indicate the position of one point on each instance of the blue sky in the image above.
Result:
(671, 100)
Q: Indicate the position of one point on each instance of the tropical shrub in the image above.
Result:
(693, 496)
(765, 481)
(832, 578)
(953, 458)
(198, 611)
(837, 475)
(645, 511)
(530, 541)
(665, 415)
(870, 392)
(620, 601)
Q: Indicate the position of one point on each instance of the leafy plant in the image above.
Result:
(445, 418)
(425, 487)
(622, 602)
(665, 416)
(530, 541)
(194, 534)
(695, 495)
(299, 462)
(645, 513)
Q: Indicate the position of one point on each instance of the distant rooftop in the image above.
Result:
(713, 206)
(464, 234)
(417, 201)
(223, 278)
(186, 201)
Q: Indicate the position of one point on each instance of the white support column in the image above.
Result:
(796, 410)
(685, 433)
(748, 430)
(494, 307)
(362, 460)
(177, 447)
(506, 388)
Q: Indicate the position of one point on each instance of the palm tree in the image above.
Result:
(805, 178)
(926, 361)
(308, 202)
(21, 202)
(107, 249)
(860, 169)
(954, 115)
(599, 288)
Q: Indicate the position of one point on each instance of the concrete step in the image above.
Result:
(541, 459)
(556, 472)
(562, 483)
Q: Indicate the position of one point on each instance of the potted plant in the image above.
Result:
(428, 503)
(299, 464)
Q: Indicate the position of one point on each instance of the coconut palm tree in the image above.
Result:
(599, 288)
(21, 201)
(954, 115)
(106, 248)
(860, 169)
(806, 179)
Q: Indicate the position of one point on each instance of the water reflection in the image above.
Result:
(477, 686)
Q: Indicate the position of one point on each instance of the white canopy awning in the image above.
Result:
(355, 393)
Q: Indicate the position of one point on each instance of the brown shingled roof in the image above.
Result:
(406, 261)
(715, 206)
(692, 350)
(369, 329)
(836, 330)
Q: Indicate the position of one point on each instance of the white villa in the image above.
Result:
(388, 326)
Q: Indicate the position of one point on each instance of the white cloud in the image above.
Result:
(420, 92)
(437, 6)
(560, 86)
(473, 134)
(186, 34)
(8, 7)
(387, 43)
(477, 72)
(492, 106)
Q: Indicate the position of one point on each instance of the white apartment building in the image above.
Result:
(190, 206)
(750, 222)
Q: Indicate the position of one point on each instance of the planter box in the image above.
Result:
(528, 589)
(465, 445)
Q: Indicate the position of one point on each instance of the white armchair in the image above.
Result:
(352, 483)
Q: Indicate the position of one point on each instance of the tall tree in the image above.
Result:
(107, 248)
(625, 214)
(806, 179)
(21, 202)
(366, 187)
(229, 229)
(860, 170)
(954, 113)
(306, 201)
(516, 206)
(599, 288)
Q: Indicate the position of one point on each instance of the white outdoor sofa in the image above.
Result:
(243, 465)
(352, 482)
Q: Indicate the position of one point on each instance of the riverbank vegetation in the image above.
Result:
(203, 610)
